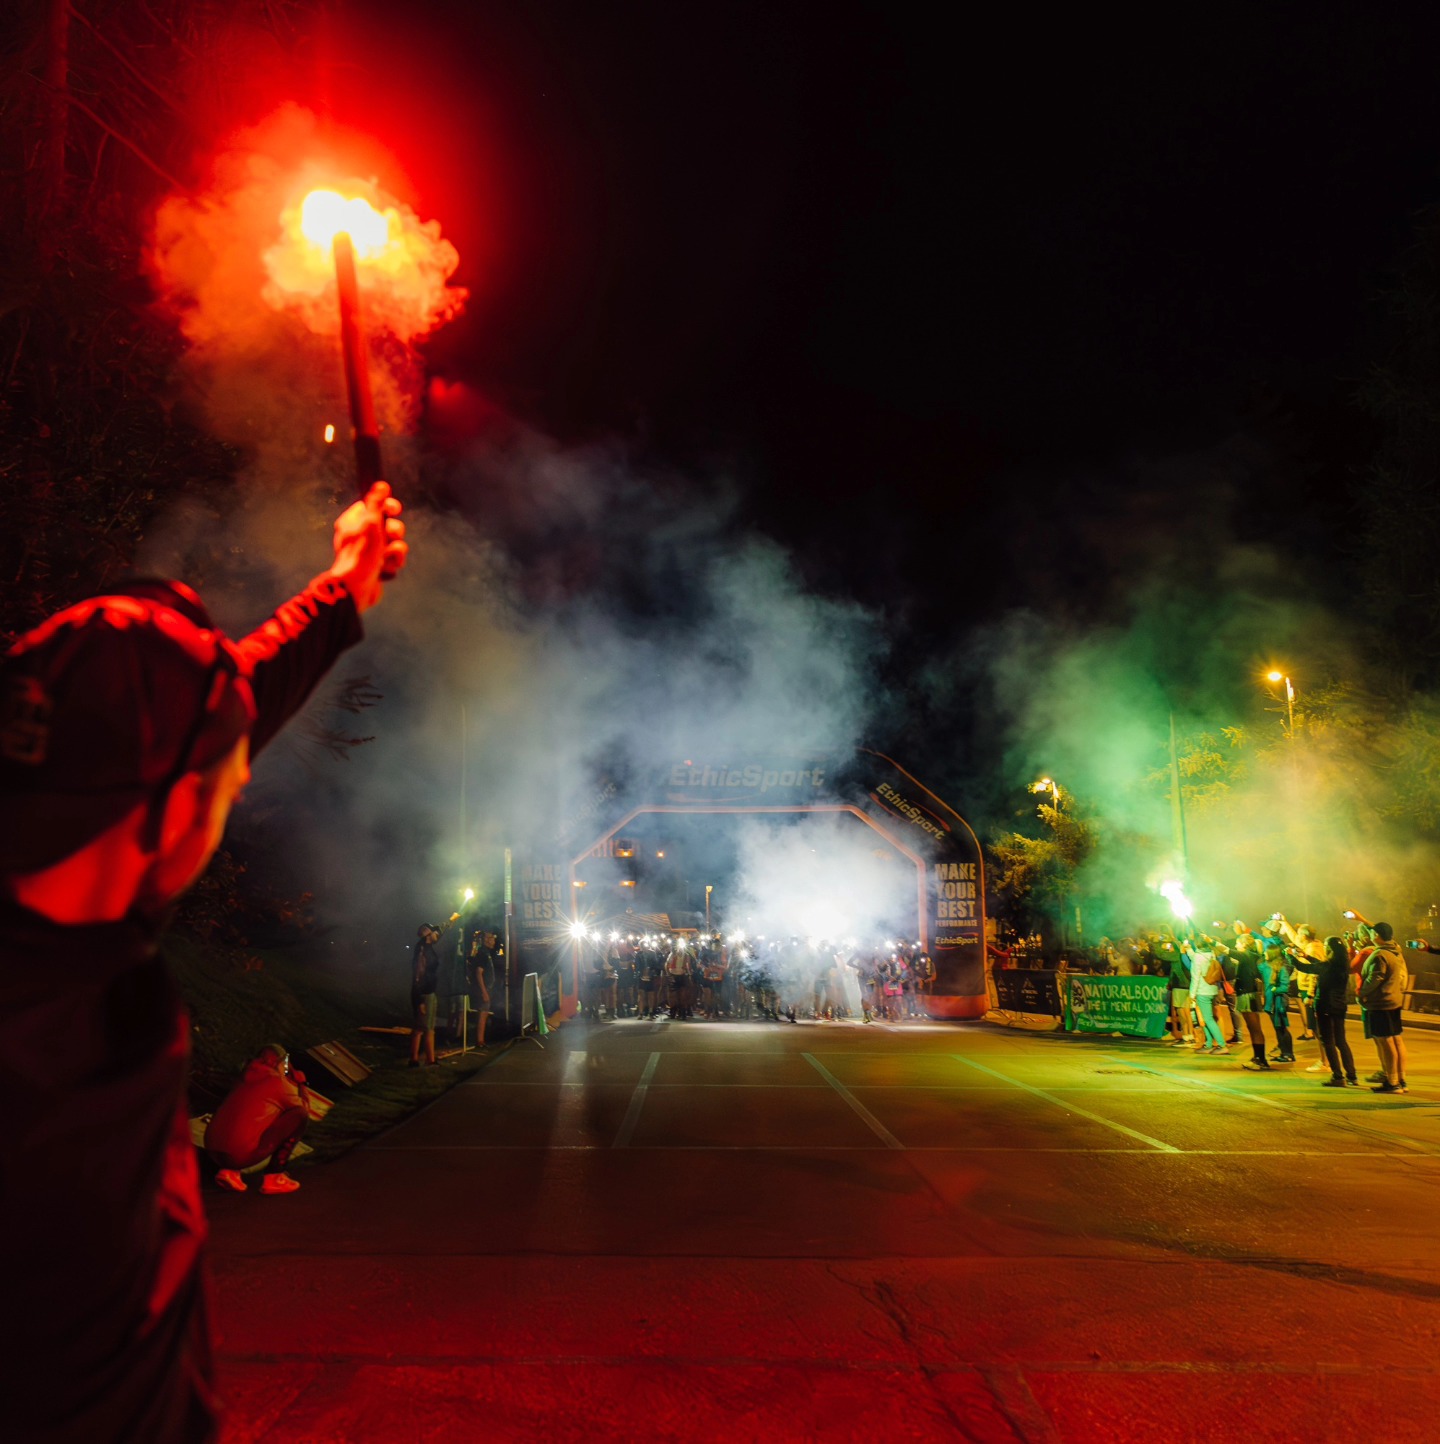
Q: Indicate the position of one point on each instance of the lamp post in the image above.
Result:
(1289, 701)
(1048, 784)
(1277, 675)
(1177, 807)
(709, 888)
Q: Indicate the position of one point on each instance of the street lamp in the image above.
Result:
(1302, 851)
(709, 888)
(1048, 784)
(1278, 676)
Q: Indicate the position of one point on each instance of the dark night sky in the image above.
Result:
(912, 281)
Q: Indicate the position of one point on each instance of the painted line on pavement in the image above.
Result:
(862, 1112)
(1369, 1153)
(1290, 1108)
(1205, 1083)
(1069, 1107)
(637, 1102)
(856, 1087)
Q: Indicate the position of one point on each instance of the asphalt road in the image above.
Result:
(829, 1231)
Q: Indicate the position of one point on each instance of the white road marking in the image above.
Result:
(1370, 1153)
(637, 1102)
(1069, 1107)
(862, 1112)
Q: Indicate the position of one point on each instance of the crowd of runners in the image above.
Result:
(711, 975)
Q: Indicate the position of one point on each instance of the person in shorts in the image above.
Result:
(477, 985)
(1250, 996)
(678, 975)
(1382, 994)
(1182, 1025)
(649, 962)
(424, 985)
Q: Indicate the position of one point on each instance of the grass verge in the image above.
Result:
(299, 997)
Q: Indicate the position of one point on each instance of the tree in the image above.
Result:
(1034, 878)
(91, 445)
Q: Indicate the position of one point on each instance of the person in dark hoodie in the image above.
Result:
(262, 1118)
(1330, 1004)
(127, 725)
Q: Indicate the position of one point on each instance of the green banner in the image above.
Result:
(1137, 1006)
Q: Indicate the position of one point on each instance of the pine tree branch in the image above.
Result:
(178, 186)
(129, 64)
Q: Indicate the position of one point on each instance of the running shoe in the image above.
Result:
(1390, 1088)
(1334, 1083)
(278, 1183)
(1317, 1067)
(1255, 1067)
(229, 1178)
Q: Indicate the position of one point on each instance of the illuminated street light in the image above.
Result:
(1048, 784)
(1278, 676)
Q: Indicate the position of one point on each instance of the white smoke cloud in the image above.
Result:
(828, 877)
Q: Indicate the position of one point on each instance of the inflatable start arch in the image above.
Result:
(949, 868)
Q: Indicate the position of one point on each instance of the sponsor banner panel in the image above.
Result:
(1027, 990)
(1137, 1006)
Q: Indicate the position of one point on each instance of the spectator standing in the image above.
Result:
(1331, 1002)
(424, 985)
(1305, 941)
(1181, 1003)
(495, 967)
(1382, 992)
(452, 986)
(478, 987)
(1206, 976)
(1225, 998)
(1250, 996)
(127, 727)
(1276, 971)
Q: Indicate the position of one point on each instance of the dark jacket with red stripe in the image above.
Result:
(101, 1224)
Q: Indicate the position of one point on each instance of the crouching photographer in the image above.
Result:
(263, 1117)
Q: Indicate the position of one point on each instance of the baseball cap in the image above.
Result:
(105, 704)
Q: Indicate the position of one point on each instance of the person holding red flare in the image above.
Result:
(127, 728)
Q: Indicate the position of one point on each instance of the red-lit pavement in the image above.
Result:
(734, 1231)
